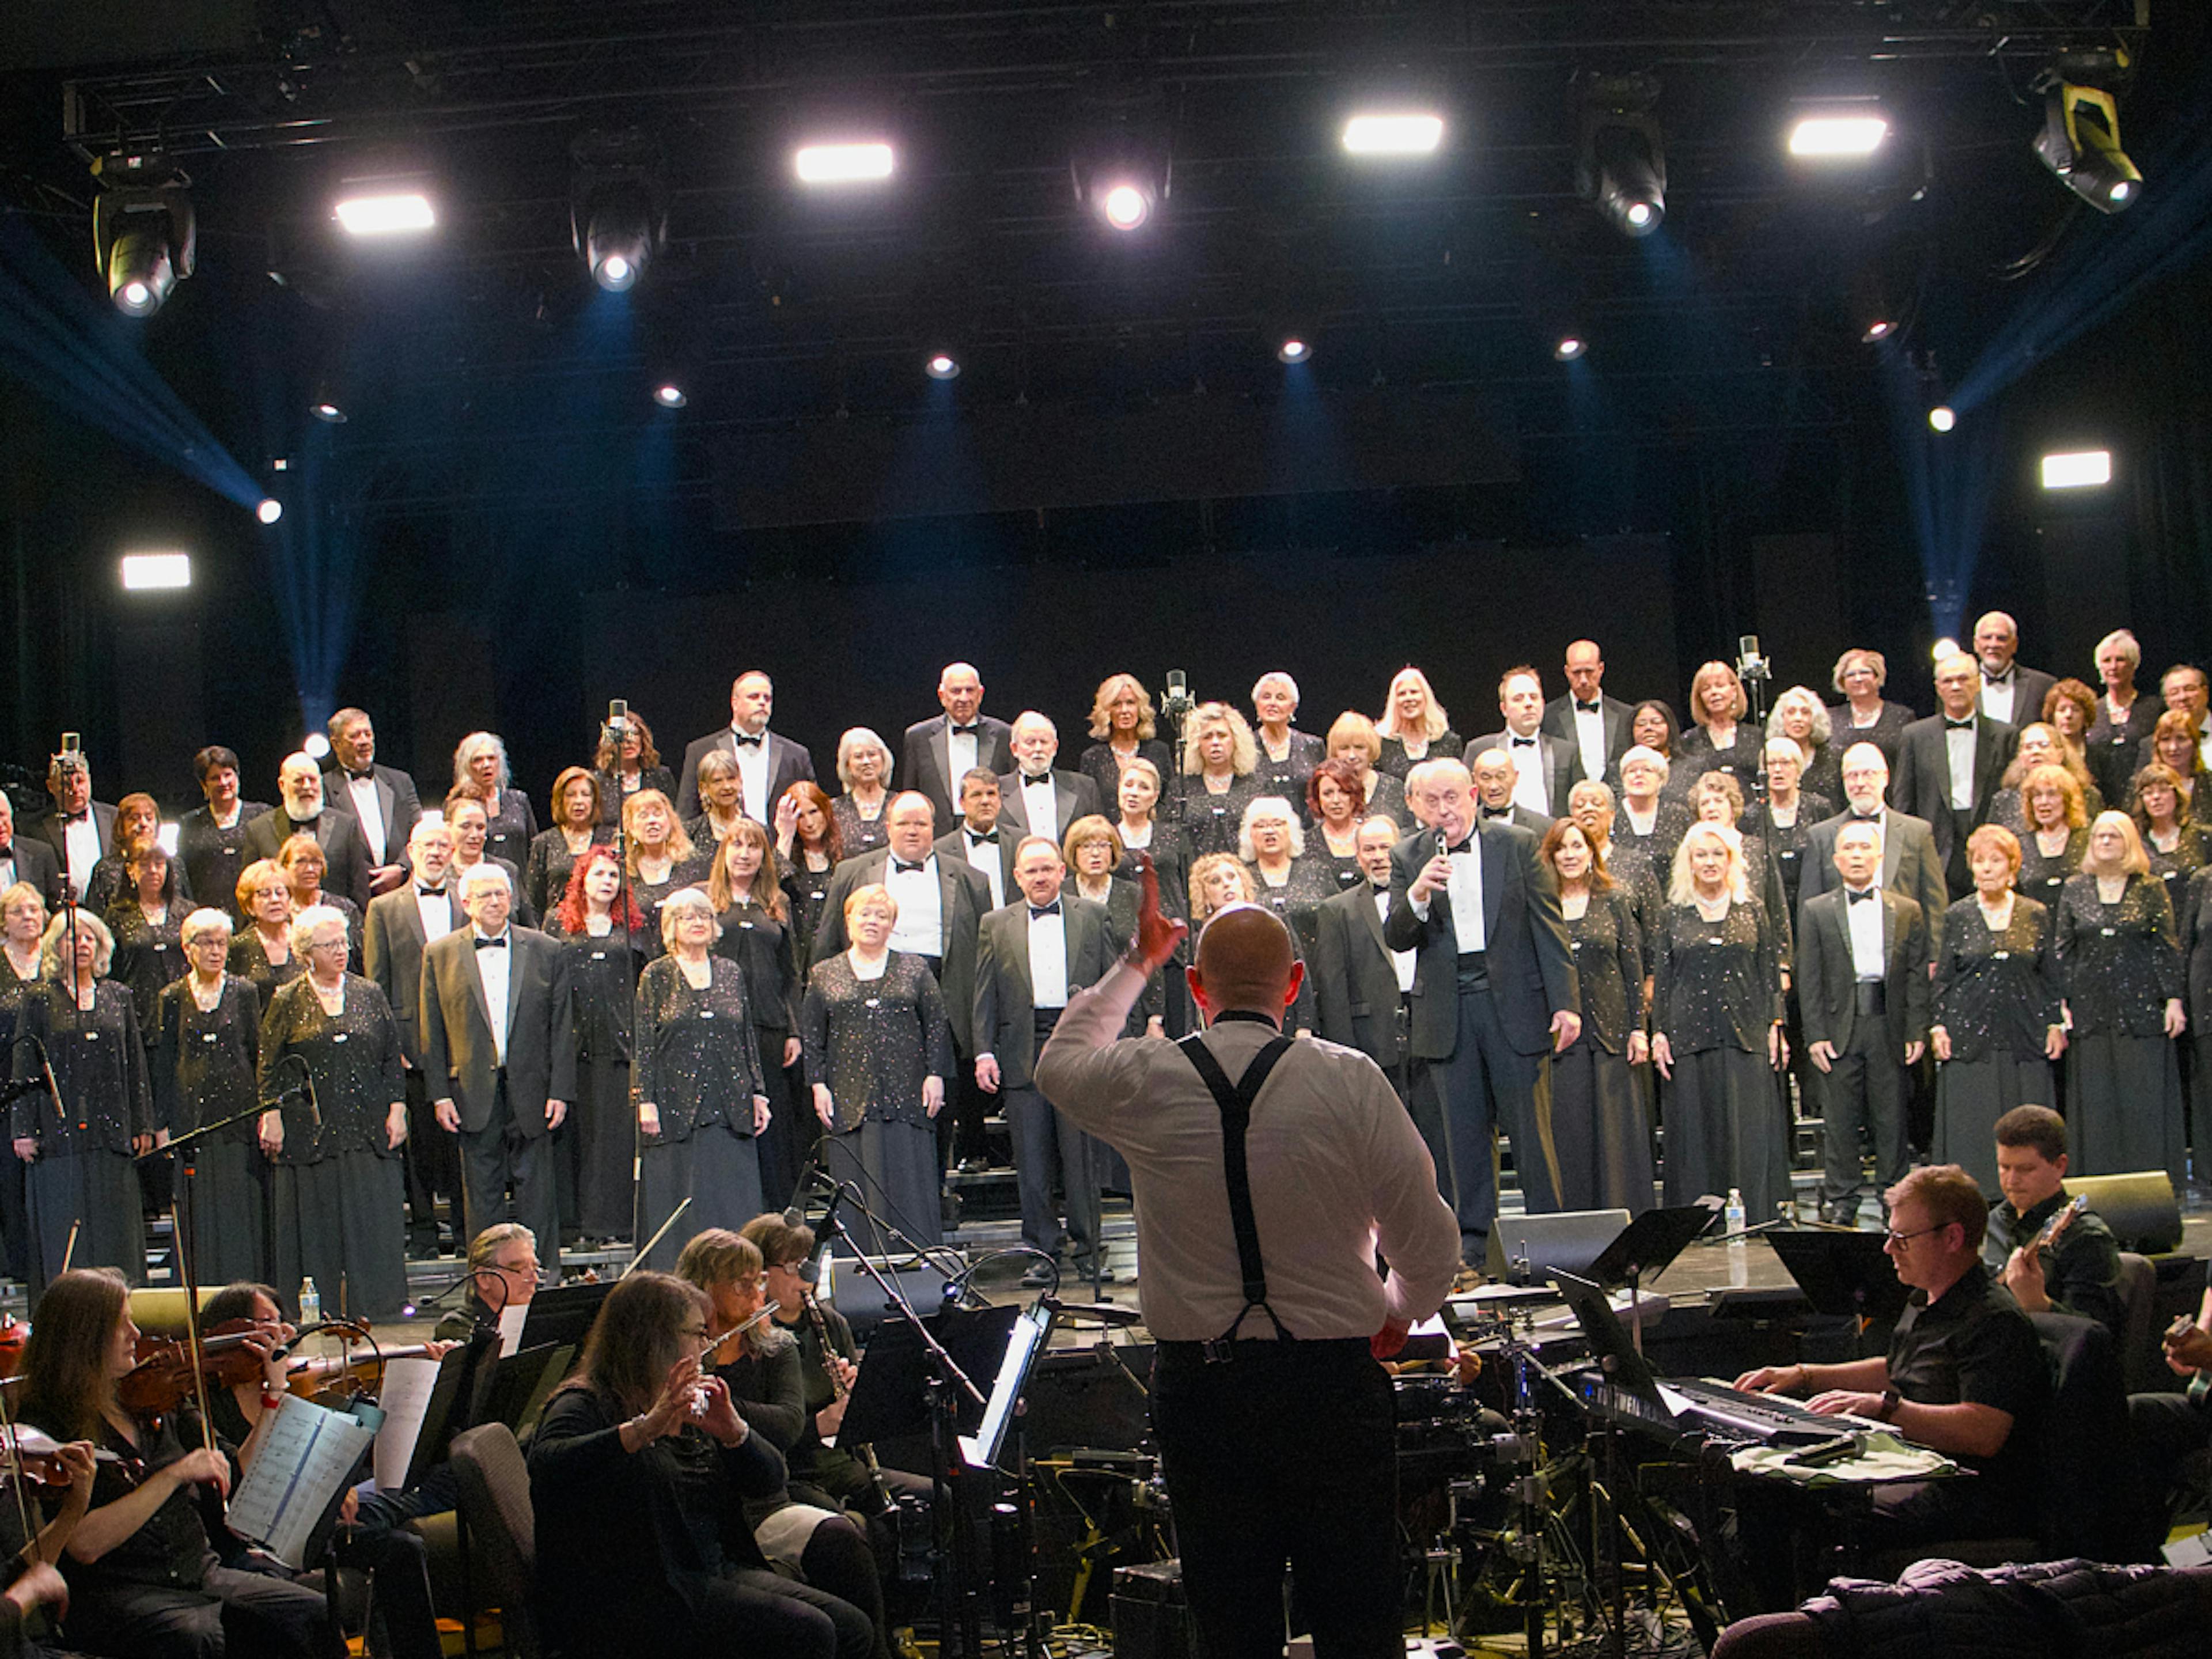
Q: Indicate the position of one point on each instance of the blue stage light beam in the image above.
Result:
(1950, 480)
(76, 350)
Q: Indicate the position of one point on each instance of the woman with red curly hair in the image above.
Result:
(600, 927)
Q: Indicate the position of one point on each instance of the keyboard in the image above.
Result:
(1766, 1417)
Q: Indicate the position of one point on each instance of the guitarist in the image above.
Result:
(2053, 1258)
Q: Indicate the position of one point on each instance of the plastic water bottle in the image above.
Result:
(1739, 1250)
(310, 1305)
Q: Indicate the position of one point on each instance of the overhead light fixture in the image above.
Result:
(143, 232)
(1838, 135)
(1393, 135)
(669, 395)
(327, 413)
(1120, 164)
(1878, 328)
(1294, 350)
(1569, 347)
(367, 211)
(942, 366)
(1942, 417)
(148, 572)
(842, 164)
(2081, 468)
(1620, 165)
(315, 746)
(269, 511)
(617, 205)
(2080, 144)
(1946, 647)
(1125, 206)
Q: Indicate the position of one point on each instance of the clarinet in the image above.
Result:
(864, 1453)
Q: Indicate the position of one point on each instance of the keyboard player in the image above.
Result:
(1964, 1373)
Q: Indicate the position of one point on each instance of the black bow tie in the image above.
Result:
(1524, 743)
(901, 867)
(1036, 782)
(75, 818)
(306, 822)
(499, 944)
(1950, 725)
(979, 837)
(1039, 912)
(2000, 679)
(964, 731)
(1582, 708)
(1866, 817)
(1467, 846)
(753, 740)
(430, 892)
(365, 775)
(1854, 896)
(7, 849)
(1496, 812)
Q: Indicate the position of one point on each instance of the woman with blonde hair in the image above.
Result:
(1864, 717)
(2040, 744)
(659, 857)
(1216, 785)
(2119, 961)
(864, 766)
(1354, 740)
(1413, 727)
(261, 950)
(1719, 739)
(1125, 728)
(2054, 838)
(746, 893)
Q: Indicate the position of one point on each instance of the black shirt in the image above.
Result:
(2080, 1273)
(1973, 1345)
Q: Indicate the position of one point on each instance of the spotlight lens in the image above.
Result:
(269, 511)
(1878, 330)
(135, 297)
(669, 397)
(142, 571)
(1125, 206)
(1942, 417)
(1294, 351)
(1945, 647)
(616, 273)
(2084, 469)
(1393, 135)
(943, 366)
(385, 215)
(1570, 346)
(1833, 137)
(1639, 214)
(315, 745)
(329, 413)
(2122, 189)
(841, 164)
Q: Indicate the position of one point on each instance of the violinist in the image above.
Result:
(66, 1470)
(639, 1475)
(394, 1558)
(758, 1361)
(144, 1582)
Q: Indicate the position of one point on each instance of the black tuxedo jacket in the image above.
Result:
(345, 854)
(1921, 782)
(393, 942)
(1909, 866)
(1531, 965)
(49, 829)
(955, 847)
(1006, 1015)
(1557, 758)
(1074, 796)
(925, 760)
(2029, 688)
(1826, 976)
(395, 794)
(38, 863)
(1559, 721)
(1355, 983)
(458, 1059)
(788, 762)
(963, 899)
(1534, 823)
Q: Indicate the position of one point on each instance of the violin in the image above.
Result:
(164, 1377)
(38, 1455)
(356, 1368)
(15, 1336)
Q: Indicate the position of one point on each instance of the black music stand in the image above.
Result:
(889, 1398)
(1645, 1248)
(563, 1313)
(1846, 1275)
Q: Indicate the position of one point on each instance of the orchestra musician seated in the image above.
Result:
(1964, 1374)
(2077, 1270)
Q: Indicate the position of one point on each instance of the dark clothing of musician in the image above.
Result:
(2080, 1271)
(649, 1553)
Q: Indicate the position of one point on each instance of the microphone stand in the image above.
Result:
(959, 1601)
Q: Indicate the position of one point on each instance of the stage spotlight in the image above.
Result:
(1125, 206)
(327, 413)
(1879, 328)
(1946, 647)
(143, 232)
(942, 366)
(842, 164)
(669, 395)
(1621, 163)
(2084, 469)
(269, 511)
(1942, 417)
(366, 210)
(1569, 347)
(2081, 144)
(617, 205)
(1294, 350)
(145, 572)
(315, 746)
(1838, 135)
(1393, 135)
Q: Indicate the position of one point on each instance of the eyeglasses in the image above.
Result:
(694, 1331)
(1895, 1238)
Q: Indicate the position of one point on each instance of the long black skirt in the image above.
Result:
(2124, 1109)
(1970, 1096)
(95, 1194)
(788, 1146)
(230, 1212)
(718, 1171)
(1724, 1129)
(597, 1144)
(1601, 1131)
(343, 1221)
(895, 1166)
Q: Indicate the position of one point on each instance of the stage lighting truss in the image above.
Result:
(617, 206)
(143, 232)
(1620, 164)
(2080, 144)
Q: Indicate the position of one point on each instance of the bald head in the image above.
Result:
(1245, 961)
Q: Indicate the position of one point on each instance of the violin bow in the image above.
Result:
(191, 1278)
(69, 1250)
(15, 1465)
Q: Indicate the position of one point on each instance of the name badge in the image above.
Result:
(747, 926)
(92, 1036)
(598, 956)
(160, 945)
(208, 1036)
(1716, 941)
(2108, 931)
(338, 1037)
(2000, 956)
(706, 1014)
(873, 1002)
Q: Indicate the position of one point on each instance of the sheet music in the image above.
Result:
(406, 1397)
(304, 1458)
(511, 1321)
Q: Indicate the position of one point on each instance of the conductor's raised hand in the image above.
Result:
(1157, 936)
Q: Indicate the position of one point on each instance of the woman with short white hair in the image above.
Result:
(337, 1209)
(79, 1148)
(480, 768)
(205, 1050)
(1288, 755)
(1651, 821)
(2126, 716)
(864, 766)
(1799, 715)
(1283, 879)
(1864, 717)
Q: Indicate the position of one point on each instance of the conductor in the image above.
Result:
(1267, 1174)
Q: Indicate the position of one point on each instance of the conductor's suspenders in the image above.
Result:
(1235, 1100)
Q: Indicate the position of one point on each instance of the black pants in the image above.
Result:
(1283, 1457)
(500, 1155)
(1488, 1086)
(234, 1615)
(1862, 1092)
(2166, 1429)
(433, 1170)
(1045, 1144)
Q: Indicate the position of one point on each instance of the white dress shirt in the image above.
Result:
(1997, 694)
(1589, 738)
(1400, 961)
(752, 774)
(1959, 750)
(983, 858)
(1048, 959)
(437, 914)
(1466, 895)
(920, 928)
(80, 850)
(959, 756)
(1865, 920)
(369, 810)
(1042, 810)
(493, 968)
(1528, 780)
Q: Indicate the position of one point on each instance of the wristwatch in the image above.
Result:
(1891, 1399)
